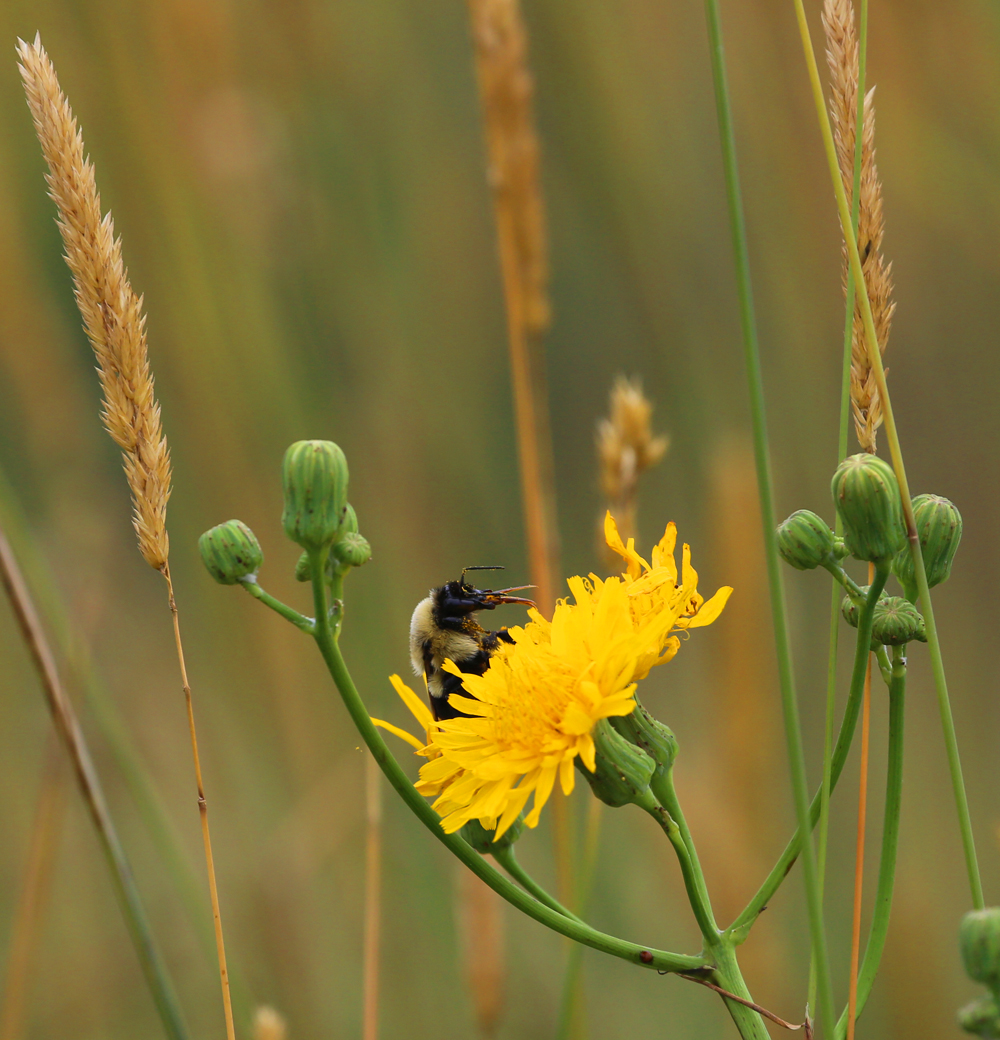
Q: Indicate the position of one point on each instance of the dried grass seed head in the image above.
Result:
(111, 311)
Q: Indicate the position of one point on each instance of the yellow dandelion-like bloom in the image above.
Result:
(532, 712)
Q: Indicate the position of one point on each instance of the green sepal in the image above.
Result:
(649, 735)
(622, 771)
(314, 477)
(482, 841)
(866, 494)
(230, 552)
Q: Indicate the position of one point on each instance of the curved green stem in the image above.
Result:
(506, 858)
(890, 840)
(892, 435)
(632, 952)
(773, 881)
(694, 878)
(790, 709)
(297, 619)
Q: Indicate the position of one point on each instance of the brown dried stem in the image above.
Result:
(115, 325)
(505, 93)
(842, 59)
(73, 739)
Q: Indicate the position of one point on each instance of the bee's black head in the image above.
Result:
(459, 598)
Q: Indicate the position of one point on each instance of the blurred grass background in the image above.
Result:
(301, 192)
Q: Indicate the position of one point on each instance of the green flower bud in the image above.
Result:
(867, 498)
(939, 527)
(981, 1017)
(231, 552)
(805, 540)
(482, 840)
(622, 770)
(979, 941)
(302, 571)
(314, 475)
(897, 621)
(349, 525)
(650, 735)
(851, 610)
(352, 550)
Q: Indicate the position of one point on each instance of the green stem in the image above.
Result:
(297, 619)
(892, 435)
(727, 974)
(508, 860)
(793, 732)
(773, 881)
(890, 840)
(663, 788)
(327, 643)
(845, 421)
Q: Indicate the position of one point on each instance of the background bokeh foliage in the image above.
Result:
(301, 193)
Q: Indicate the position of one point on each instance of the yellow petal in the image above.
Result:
(711, 608)
(417, 706)
(408, 737)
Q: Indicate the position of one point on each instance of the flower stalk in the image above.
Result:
(875, 357)
(793, 732)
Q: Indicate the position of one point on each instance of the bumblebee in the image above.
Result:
(444, 627)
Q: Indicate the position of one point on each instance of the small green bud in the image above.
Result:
(231, 552)
(302, 571)
(939, 527)
(349, 525)
(352, 550)
(979, 941)
(482, 840)
(981, 1017)
(897, 621)
(314, 476)
(805, 540)
(851, 610)
(622, 770)
(650, 735)
(867, 498)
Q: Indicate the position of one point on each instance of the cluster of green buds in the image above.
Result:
(867, 498)
(316, 516)
(979, 941)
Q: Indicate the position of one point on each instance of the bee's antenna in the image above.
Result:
(485, 567)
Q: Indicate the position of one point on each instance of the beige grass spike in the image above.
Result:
(842, 59)
(111, 311)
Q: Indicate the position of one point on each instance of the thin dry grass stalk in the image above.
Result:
(626, 448)
(500, 43)
(505, 89)
(113, 319)
(112, 313)
(842, 58)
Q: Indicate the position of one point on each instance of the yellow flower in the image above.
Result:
(531, 714)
